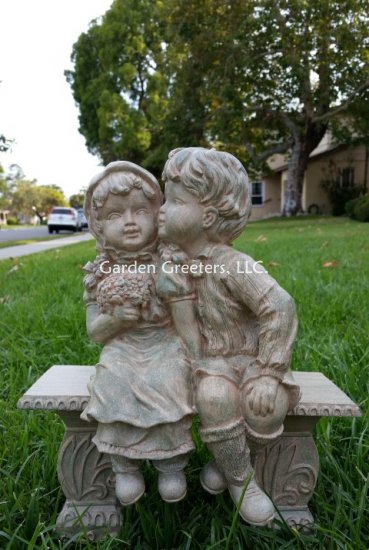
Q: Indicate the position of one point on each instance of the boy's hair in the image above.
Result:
(219, 180)
(118, 178)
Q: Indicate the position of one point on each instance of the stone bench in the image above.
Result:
(287, 469)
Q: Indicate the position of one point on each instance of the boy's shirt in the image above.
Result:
(247, 321)
(242, 310)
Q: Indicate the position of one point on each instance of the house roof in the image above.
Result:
(278, 163)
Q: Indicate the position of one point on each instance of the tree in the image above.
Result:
(118, 84)
(4, 190)
(125, 81)
(257, 78)
(276, 73)
(7, 184)
(48, 196)
(78, 199)
(5, 143)
(29, 198)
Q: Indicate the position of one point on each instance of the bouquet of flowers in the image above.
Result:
(119, 289)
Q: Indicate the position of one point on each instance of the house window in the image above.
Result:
(257, 193)
(346, 177)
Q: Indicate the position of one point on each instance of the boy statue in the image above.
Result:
(243, 387)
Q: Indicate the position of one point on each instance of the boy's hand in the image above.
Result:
(260, 394)
(127, 313)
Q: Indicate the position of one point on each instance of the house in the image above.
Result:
(3, 215)
(343, 163)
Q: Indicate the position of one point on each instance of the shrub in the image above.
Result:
(340, 186)
(349, 207)
(339, 195)
(358, 209)
(11, 221)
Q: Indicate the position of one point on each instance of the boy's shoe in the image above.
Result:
(256, 508)
(212, 479)
(172, 486)
(129, 487)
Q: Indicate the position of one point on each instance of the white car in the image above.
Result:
(82, 218)
(63, 218)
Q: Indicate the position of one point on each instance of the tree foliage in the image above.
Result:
(278, 72)
(29, 198)
(23, 196)
(77, 199)
(5, 143)
(118, 83)
(4, 190)
(257, 78)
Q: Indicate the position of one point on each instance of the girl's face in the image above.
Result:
(128, 221)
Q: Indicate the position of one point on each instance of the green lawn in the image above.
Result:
(42, 323)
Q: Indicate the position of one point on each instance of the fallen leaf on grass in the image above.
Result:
(273, 264)
(330, 264)
(324, 244)
(261, 239)
(13, 269)
(4, 299)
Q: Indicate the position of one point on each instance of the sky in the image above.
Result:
(37, 108)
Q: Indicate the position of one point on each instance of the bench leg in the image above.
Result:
(288, 469)
(87, 481)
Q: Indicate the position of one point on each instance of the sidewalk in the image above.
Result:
(41, 246)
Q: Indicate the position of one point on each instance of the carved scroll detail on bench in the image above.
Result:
(314, 409)
(84, 473)
(62, 403)
(288, 470)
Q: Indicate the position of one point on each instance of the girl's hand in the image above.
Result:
(127, 313)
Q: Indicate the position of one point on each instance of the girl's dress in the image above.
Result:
(141, 391)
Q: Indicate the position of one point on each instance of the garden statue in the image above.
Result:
(188, 324)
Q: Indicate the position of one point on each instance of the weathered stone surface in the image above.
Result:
(64, 387)
(287, 469)
(87, 481)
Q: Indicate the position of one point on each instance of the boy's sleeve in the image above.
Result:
(173, 286)
(274, 309)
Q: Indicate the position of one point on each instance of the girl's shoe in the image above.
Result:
(172, 486)
(129, 487)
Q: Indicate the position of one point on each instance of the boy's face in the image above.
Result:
(181, 216)
(128, 221)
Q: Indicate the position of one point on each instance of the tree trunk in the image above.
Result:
(303, 144)
(295, 178)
